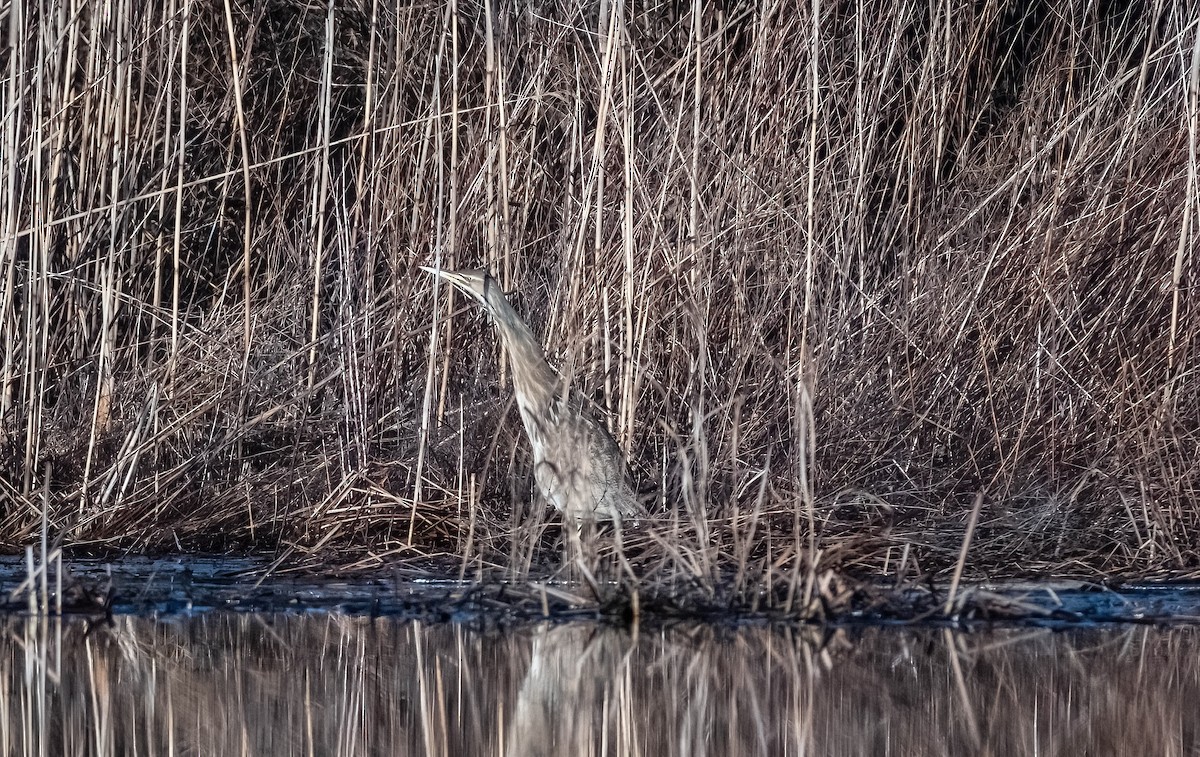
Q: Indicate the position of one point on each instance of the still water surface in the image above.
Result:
(223, 683)
(225, 657)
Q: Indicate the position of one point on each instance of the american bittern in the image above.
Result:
(576, 463)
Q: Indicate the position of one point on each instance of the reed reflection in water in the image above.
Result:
(334, 685)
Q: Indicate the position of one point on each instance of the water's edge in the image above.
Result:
(189, 585)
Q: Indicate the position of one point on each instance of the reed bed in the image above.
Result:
(829, 271)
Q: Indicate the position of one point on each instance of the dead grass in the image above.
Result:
(831, 277)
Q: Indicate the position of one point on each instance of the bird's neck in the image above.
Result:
(535, 381)
(532, 375)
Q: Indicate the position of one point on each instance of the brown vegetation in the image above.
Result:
(830, 275)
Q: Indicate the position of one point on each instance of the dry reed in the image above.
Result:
(831, 270)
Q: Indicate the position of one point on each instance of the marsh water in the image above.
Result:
(211, 675)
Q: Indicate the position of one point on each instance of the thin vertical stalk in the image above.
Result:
(235, 70)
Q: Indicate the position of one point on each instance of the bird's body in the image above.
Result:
(577, 464)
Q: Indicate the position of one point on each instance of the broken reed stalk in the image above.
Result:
(962, 552)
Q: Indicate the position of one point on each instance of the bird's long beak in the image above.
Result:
(450, 277)
(441, 274)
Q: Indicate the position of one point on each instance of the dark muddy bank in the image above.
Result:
(182, 586)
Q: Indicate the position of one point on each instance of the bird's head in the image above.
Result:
(478, 284)
(481, 287)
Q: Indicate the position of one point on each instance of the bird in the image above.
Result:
(577, 465)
